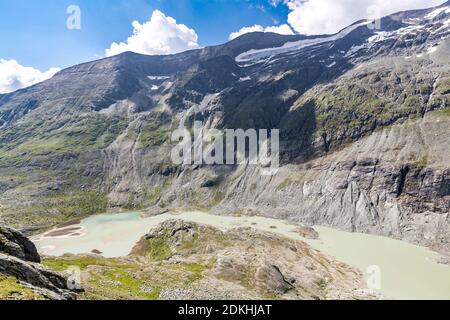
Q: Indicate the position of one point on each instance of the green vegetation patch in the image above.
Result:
(158, 249)
(441, 113)
(24, 141)
(11, 289)
(444, 86)
(155, 194)
(357, 105)
(62, 264)
(156, 130)
(124, 284)
(195, 271)
(106, 278)
(58, 208)
(128, 279)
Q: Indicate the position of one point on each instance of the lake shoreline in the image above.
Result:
(407, 271)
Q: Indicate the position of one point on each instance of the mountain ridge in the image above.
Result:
(363, 119)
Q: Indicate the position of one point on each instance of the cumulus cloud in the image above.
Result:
(329, 16)
(14, 76)
(160, 35)
(281, 29)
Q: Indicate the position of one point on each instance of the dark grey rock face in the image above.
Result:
(14, 243)
(272, 279)
(20, 259)
(47, 283)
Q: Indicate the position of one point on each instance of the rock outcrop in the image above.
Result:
(19, 259)
(246, 263)
(14, 243)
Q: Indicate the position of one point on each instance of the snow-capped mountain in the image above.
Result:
(363, 119)
(406, 30)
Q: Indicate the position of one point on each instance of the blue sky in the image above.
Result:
(34, 32)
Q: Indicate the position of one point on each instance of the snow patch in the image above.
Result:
(244, 79)
(385, 35)
(296, 45)
(445, 26)
(436, 12)
(168, 85)
(431, 50)
(379, 36)
(354, 50)
(158, 77)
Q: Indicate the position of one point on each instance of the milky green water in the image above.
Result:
(406, 271)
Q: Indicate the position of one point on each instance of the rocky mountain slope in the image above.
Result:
(363, 118)
(22, 277)
(187, 261)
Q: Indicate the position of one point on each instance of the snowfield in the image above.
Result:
(296, 45)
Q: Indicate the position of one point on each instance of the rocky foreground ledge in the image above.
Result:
(22, 277)
(179, 260)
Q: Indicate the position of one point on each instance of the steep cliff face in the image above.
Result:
(363, 118)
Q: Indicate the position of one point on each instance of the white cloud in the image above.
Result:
(312, 17)
(281, 29)
(160, 35)
(14, 76)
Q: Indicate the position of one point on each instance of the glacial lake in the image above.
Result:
(406, 271)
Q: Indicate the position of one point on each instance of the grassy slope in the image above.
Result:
(11, 289)
(51, 169)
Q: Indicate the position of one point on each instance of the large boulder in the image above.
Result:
(42, 281)
(14, 243)
(19, 259)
